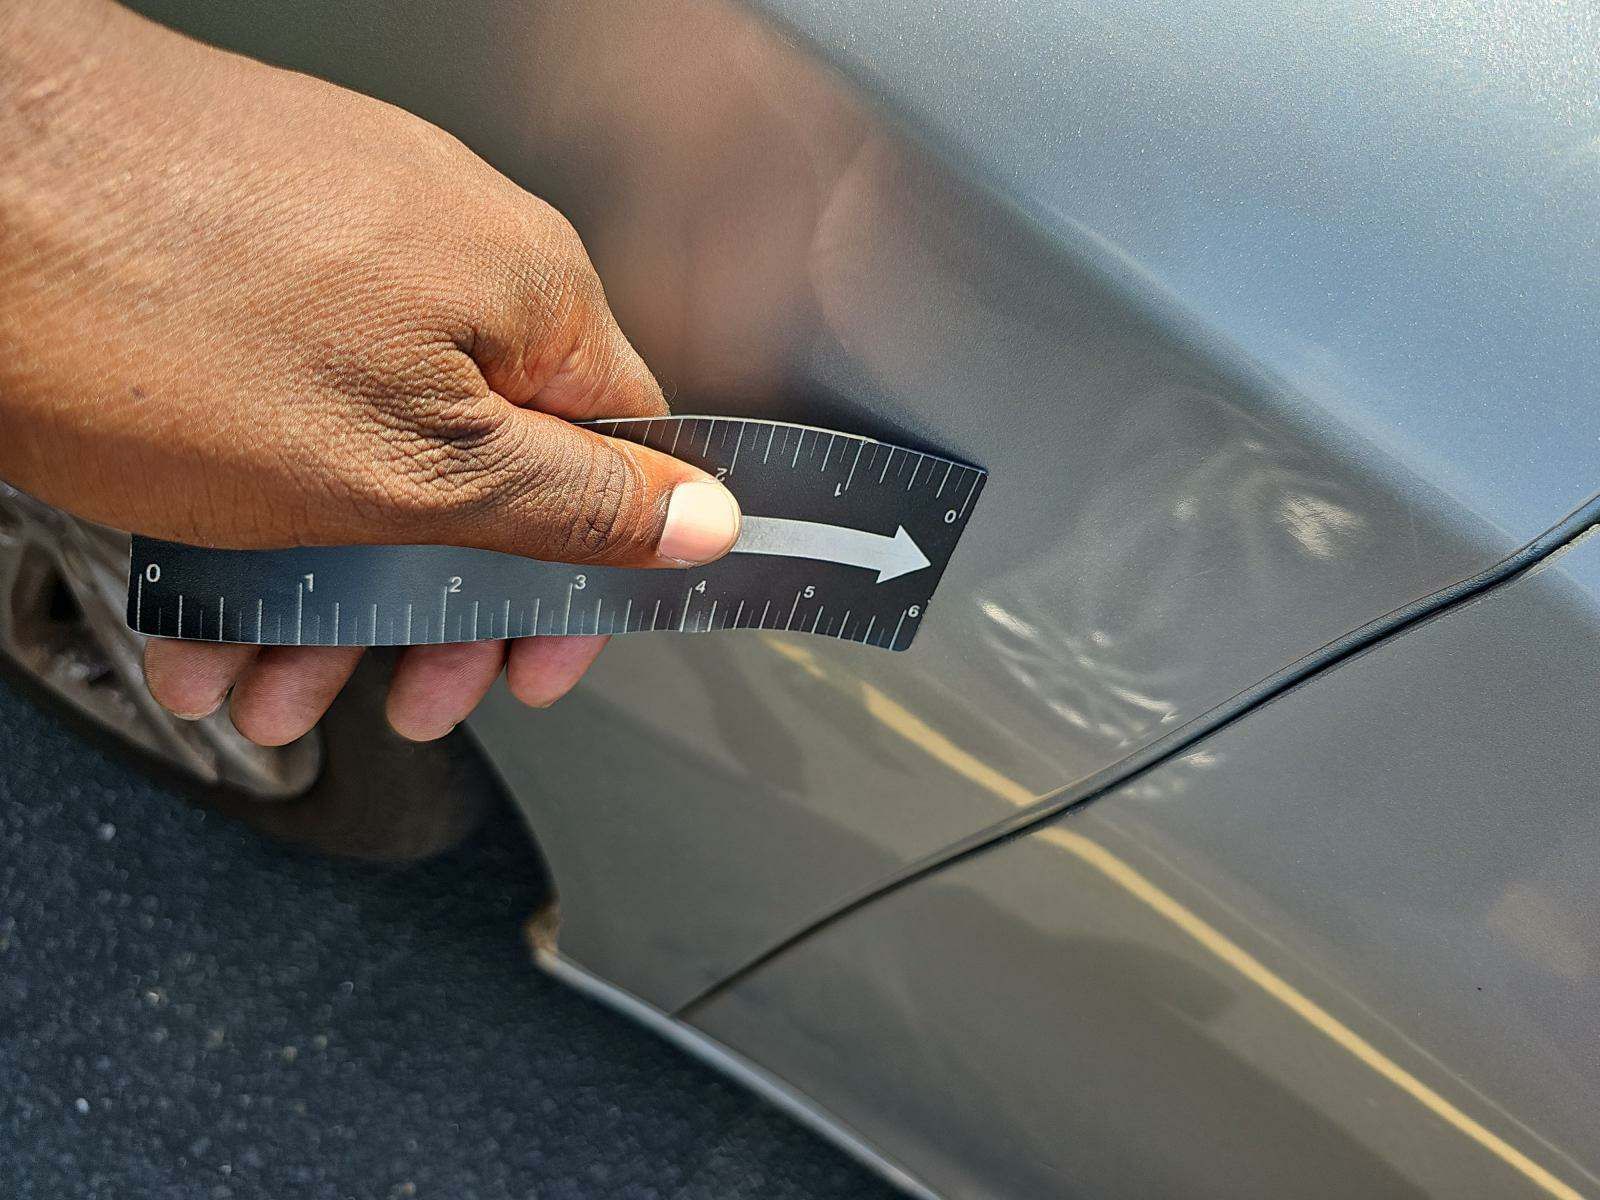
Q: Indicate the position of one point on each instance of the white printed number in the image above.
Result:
(580, 582)
(152, 573)
(810, 591)
(914, 611)
(455, 584)
(311, 582)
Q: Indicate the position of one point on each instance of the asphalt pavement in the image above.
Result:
(190, 1007)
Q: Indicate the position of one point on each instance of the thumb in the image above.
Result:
(566, 494)
(547, 489)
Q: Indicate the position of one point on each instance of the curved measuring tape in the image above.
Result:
(844, 536)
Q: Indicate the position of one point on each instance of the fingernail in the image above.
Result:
(702, 523)
(200, 714)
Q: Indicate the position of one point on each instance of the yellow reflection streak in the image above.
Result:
(1297, 1002)
(912, 728)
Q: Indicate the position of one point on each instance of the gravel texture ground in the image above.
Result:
(192, 1008)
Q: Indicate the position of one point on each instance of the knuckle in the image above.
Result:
(561, 236)
(599, 511)
(565, 276)
(441, 141)
(565, 289)
(435, 146)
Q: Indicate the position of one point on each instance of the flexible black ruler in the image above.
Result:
(843, 536)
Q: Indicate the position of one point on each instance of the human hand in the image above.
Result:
(243, 307)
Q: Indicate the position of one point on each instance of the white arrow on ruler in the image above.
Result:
(890, 557)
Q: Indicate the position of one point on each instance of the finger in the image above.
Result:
(191, 679)
(551, 341)
(594, 371)
(541, 670)
(435, 687)
(541, 487)
(288, 689)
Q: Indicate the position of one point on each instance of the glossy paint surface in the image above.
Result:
(1265, 326)
(1344, 947)
(1389, 207)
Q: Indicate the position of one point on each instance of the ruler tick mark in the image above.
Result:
(914, 471)
(947, 468)
(972, 487)
(884, 474)
(860, 446)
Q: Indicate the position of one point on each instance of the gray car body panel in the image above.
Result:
(1180, 505)
(1345, 947)
(1267, 325)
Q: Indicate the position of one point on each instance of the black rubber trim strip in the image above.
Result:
(1082, 792)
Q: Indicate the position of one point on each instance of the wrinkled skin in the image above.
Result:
(243, 307)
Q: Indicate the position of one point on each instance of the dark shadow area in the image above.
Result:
(190, 1009)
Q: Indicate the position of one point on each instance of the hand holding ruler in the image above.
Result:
(843, 536)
